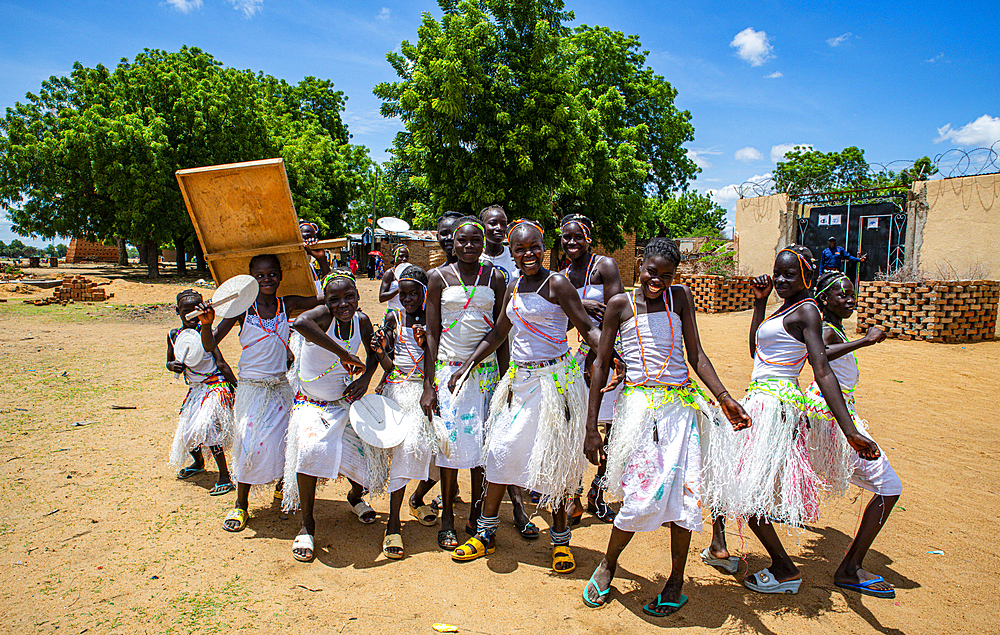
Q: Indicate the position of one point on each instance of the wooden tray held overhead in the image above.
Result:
(240, 210)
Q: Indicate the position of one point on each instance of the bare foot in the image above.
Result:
(602, 579)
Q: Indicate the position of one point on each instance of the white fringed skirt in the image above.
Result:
(833, 459)
(205, 420)
(262, 408)
(465, 414)
(536, 429)
(322, 443)
(654, 456)
(764, 471)
(412, 459)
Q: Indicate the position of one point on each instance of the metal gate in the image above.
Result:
(874, 228)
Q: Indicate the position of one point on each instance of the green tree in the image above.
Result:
(805, 170)
(688, 214)
(94, 154)
(503, 103)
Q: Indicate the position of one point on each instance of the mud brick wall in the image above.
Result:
(423, 253)
(625, 257)
(81, 250)
(932, 310)
(718, 294)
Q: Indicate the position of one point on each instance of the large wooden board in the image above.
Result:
(240, 210)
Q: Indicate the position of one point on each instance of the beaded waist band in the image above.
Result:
(551, 362)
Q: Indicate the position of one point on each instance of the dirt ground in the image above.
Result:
(98, 536)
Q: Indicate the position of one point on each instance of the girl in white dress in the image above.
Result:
(536, 424)
(597, 280)
(769, 477)
(206, 420)
(321, 442)
(389, 288)
(834, 460)
(414, 457)
(464, 300)
(654, 451)
(310, 235)
(263, 396)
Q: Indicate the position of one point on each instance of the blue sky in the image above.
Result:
(899, 80)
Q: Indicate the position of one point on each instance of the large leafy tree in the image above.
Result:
(807, 171)
(95, 153)
(504, 103)
(688, 214)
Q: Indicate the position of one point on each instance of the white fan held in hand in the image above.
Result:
(233, 297)
(188, 349)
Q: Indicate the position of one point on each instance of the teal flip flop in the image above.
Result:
(650, 609)
(188, 472)
(601, 594)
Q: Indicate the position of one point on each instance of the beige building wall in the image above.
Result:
(758, 232)
(960, 229)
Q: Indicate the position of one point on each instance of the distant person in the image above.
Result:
(494, 219)
(833, 255)
(354, 266)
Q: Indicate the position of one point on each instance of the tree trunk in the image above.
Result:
(181, 256)
(152, 248)
(143, 259)
(122, 251)
(199, 256)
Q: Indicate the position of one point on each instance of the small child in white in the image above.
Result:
(206, 417)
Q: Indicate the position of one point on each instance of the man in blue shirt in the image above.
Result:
(833, 255)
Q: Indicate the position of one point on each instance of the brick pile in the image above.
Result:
(719, 294)
(80, 289)
(932, 310)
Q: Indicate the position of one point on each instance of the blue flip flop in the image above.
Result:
(650, 609)
(601, 594)
(863, 589)
(188, 472)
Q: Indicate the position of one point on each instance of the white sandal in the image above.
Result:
(764, 582)
(363, 508)
(730, 564)
(303, 541)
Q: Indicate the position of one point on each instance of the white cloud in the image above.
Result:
(752, 46)
(778, 152)
(249, 8)
(748, 154)
(185, 6)
(984, 131)
(384, 13)
(728, 195)
(774, 75)
(840, 39)
(698, 156)
(934, 59)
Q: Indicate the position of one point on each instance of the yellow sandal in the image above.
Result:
(237, 514)
(473, 548)
(561, 553)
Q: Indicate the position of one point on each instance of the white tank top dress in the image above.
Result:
(322, 376)
(466, 317)
(539, 327)
(655, 449)
(265, 344)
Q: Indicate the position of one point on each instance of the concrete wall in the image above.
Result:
(958, 226)
(759, 232)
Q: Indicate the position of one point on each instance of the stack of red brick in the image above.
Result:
(719, 294)
(932, 310)
(80, 289)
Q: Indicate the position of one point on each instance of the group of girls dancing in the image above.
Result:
(477, 356)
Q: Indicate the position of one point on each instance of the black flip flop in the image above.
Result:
(529, 530)
(447, 534)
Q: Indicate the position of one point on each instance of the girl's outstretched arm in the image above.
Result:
(569, 300)
(299, 303)
(839, 349)
(703, 365)
(808, 319)
(384, 295)
(307, 324)
(615, 313)
(209, 338)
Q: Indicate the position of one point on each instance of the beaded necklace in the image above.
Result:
(642, 350)
(780, 313)
(268, 332)
(345, 342)
(465, 290)
(513, 303)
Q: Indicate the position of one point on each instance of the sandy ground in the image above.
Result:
(98, 536)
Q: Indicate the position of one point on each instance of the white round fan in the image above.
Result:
(378, 421)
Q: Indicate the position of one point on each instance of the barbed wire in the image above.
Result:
(955, 162)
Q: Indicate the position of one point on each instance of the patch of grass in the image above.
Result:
(203, 612)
